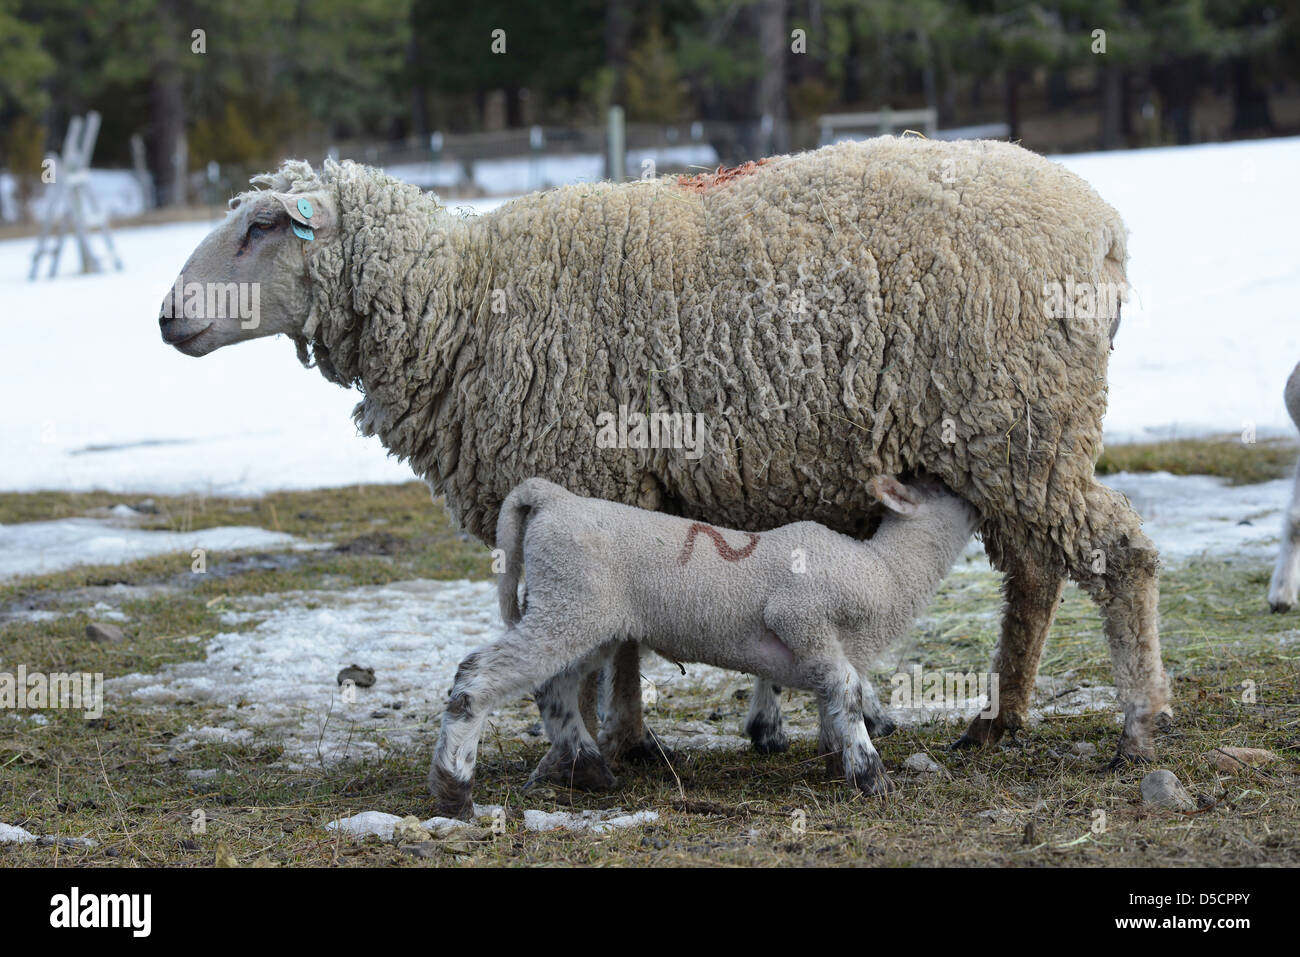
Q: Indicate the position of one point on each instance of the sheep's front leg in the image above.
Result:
(840, 696)
(1283, 588)
(624, 738)
(519, 660)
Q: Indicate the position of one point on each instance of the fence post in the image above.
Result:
(616, 159)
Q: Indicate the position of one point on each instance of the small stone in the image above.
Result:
(423, 849)
(361, 677)
(922, 763)
(223, 856)
(108, 634)
(409, 831)
(1163, 789)
(1084, 749)
(1234, 760)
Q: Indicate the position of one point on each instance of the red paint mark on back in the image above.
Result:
(719, 177)
(725, 551)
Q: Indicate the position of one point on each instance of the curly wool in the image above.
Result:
(867, 308)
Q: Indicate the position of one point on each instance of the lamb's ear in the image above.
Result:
(310, 212)
(893, 494)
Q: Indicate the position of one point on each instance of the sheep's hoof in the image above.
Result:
(452, 796)
(648, 750)
(1135, 744)
(834, 765)
(584, 771)
(767, 736)
(1165, 721)
(1279, 607)
(881, 727)
(871, 778)
(983, 732)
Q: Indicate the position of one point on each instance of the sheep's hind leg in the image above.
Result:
(1282, 590)
(1032, 592)
(829, 743)
(1120, 568)
(574, 760)
(840, 697)
(763, 723)
(624, 738)
(517, 661)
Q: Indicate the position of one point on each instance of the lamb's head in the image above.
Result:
(250, 277)
(926, 499)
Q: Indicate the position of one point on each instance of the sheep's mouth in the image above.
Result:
(180, 337)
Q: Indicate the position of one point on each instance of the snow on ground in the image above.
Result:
(35, 548)
(1209, 338)
(99, 402)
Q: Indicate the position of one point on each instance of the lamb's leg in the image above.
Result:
(624, 738)
(1032, 590)
(1120, 569)
(512, 664)
(1286, 575)
(831, 746)
(763, 724)
(574, 760)
(840, 696)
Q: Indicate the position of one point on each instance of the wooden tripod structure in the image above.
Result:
(71, 204)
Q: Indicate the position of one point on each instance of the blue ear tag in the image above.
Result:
(302, 232)
(304, 207)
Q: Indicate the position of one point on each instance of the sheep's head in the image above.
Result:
(249, 277)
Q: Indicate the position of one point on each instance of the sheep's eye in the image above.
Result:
(260, 228)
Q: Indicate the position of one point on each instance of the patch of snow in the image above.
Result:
(1190, 515)
(32, 548)
(12, 834)
(595, 822)
(366, 823)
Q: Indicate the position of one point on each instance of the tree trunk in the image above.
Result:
(772, 39)
(618, 30)
(1013, 102)
(1112, 104)
(1250, 109)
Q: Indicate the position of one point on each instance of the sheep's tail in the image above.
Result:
(512, 522)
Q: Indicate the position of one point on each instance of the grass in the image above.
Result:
(1224, 456)
(121, 781)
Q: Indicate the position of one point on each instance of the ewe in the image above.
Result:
(868, 308)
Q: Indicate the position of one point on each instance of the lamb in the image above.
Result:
(800, 605)
(1285, 583)
(862, 309)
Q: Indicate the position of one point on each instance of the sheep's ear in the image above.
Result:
(894, 495)
(310, 212)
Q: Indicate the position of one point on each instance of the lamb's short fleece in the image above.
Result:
(799, 605)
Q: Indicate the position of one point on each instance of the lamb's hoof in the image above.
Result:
(835, 765)
(871, 779)
(882, 727)
(1165, 721)
(767, 736)
(1280, 605)
(584, 771)
(452, 797)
